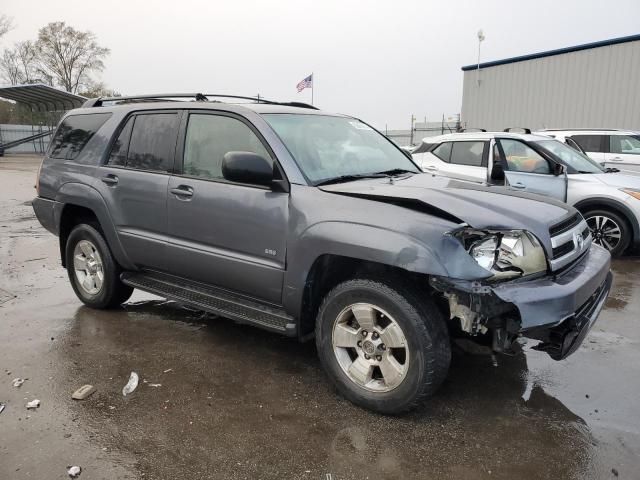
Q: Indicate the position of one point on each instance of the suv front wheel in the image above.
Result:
(92, 270)
(384, 345)
(609, 230)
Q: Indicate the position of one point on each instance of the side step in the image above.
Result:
(214, 300)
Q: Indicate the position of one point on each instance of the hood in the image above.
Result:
(619, 180)
(477, 205)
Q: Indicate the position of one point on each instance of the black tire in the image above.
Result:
(112, 292)
(423, 327)
(625, 230)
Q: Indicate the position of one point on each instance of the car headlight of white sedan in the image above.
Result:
(507, 254)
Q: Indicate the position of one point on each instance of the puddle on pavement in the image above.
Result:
(250, 404)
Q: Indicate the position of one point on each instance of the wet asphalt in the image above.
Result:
(235, 402)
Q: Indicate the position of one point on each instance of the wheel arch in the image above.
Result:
(616, 207)
(82, 203)
(329, 270)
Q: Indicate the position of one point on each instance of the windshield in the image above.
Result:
(327, 147)
(571, 157)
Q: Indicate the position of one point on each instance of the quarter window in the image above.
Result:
(522, 158)
(74, 133)
(210, 137)
(443, 151)
(626, 144)
(467, 153)
(590, 143)
(153, 142)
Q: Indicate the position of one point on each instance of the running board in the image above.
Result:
(214, 300)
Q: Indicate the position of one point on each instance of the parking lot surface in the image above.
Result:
(220, 400)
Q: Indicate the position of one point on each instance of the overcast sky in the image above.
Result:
(380, 61)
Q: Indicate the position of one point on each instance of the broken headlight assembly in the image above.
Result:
(507, 254)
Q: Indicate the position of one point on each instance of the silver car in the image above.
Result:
(609, 200)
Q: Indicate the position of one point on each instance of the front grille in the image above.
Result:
(570, 239)
(565, 225)
(563, 249)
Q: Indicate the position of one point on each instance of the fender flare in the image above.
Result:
(86, 196)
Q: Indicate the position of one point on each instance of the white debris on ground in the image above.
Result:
(155, 384)
(17, 382)
(83, 392)
(74, 471)
(33, 404)
(131, 385)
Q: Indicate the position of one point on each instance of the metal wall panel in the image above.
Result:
(596, 88)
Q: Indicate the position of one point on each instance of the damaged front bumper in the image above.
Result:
(559, 310)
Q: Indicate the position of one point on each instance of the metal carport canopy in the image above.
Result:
(42, 98)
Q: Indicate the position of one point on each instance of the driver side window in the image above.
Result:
(520, 157)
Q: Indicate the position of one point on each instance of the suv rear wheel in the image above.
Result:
(609, 230)
(92, 270)
(384, 345)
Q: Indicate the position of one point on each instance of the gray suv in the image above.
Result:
(313, 224)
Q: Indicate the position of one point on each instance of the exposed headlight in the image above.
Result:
(632, 191)
(506, 254)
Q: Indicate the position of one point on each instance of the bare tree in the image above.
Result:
(6, 24)
(67, 57)
(19, 64)
(10, 66)
(98, 89)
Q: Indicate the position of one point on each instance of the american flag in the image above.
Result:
(305, 83)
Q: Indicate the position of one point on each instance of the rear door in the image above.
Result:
(469, 160)
(593, 145)
(624, 153)
(527, 170)
(134, 183)
(226, 234)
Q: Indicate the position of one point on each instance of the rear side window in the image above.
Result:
(74, 133)
(443, 151)
(590, 143)
(119, 149)
(627, 144)
(210, 137)
(146, 142)
(468, 153)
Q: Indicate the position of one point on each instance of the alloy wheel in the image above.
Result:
(370, 347)
(88, 267)
(605, 231)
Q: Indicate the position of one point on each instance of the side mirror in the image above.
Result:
(497, 173)
(247, 167)
(558, 169)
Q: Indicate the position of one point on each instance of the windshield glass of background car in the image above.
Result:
(571, 157)
(326, 147)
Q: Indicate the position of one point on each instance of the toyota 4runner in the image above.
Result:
(313, 224)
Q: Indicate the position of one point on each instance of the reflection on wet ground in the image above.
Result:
(248, 404)
(237, 402)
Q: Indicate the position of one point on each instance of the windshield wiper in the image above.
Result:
(584, 171)
(348, 178)
(396, 171)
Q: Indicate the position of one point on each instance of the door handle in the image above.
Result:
(431, 168)
(182, 191)
(518, 185)
(110, 180)
(616, 159)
